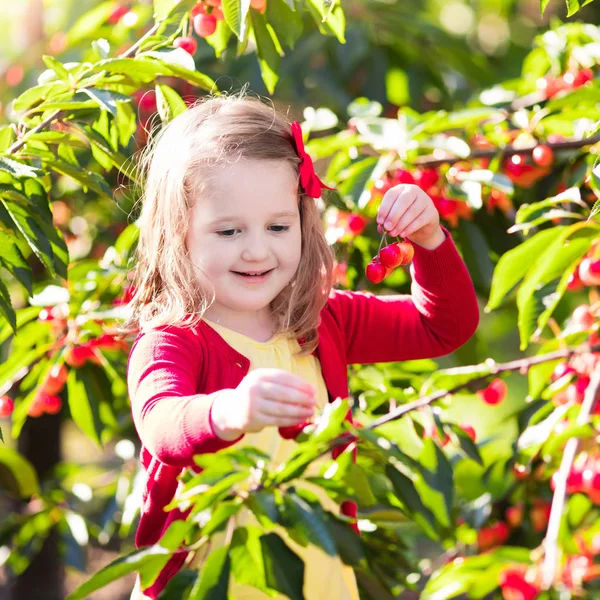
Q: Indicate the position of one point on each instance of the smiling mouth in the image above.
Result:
(252, 274)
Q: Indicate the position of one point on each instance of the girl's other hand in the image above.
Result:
(265, 397)
(407, 211)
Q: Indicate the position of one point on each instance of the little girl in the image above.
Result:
(240, 331)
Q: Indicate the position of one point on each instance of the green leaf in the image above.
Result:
(6, 306)
(213, 582)
(86, 26)
(18, 169)
(572, 7)
(284, 569)
(13, 260)
(408, 495)
(466, 445)
(86, 394)
(56, 66)
(147, 561)
(541, 286)
(235, 12)
(266, 50)
(308, 518)
(514, 264)
(247, 564)
(169, 8)
(286, 22)
(7, 137)
(169, 103)
(543, 5)
(105, 99)
(40, 93)
(17, 474)
(220, 515)
(476, 254)
(87, 179)
(436, 482)
(19, 362)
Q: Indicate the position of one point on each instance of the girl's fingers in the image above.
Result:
(284, 394)
(396, 199)
(409, 215)
(285, 411)
(285, 378)
(425, 218)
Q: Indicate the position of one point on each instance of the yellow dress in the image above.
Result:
(325, 577)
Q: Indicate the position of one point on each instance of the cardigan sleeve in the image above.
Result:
(171, 418)
(439, 315)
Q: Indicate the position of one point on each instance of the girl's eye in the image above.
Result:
(280, 228)
(226, 233)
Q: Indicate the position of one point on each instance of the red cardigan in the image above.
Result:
(173, 370)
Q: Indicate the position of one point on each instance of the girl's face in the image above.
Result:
(246, 237)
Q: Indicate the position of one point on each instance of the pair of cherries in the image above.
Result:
(388, 258)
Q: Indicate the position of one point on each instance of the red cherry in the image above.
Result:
(486, 538)
(542, 155)
(7, 405)
(562, 369)
(515, 586)
(521, 472)
(356, 224)
(494, 393)
(291, 432)
(408, 252)
(540, 515)
(376, 272)
(589, 271)
(259, 5)
(470, 431)
(77, 356)
(502, 532)
(205, 25)
(576, 391)
(514, 515)
(426, 178)
(56, 380)
(391, 256)
(403, 176)
(575, 283)
(51, 404)
(188, 44)
(447, 207)
(116, 15)
(36, 408)
(575, 481)
(583, 316)
(381, 186)
(198, 9)
(349, 509)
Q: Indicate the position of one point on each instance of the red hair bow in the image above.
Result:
(309, 181)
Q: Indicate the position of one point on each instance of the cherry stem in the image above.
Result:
(383, 237)
(550, 543)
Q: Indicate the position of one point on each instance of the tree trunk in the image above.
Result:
(39, 442)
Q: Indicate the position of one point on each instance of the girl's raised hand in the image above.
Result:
(407, 211)
(264, 397)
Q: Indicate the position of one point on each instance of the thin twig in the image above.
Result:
(550, 543)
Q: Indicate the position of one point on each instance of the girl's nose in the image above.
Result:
(256, 248)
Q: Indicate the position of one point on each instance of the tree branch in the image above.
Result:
(523, 365)
(431, 162)
(550, 543)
